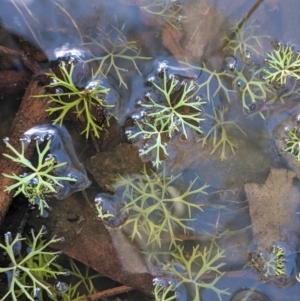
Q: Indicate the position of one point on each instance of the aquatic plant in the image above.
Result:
(114, 46)
(86, 278)
(282, 63)
(162, 293)
(284, 94)
(151, 138)
(243, 39)
(213, 82)
(168, 10)
(82, 280)
(26, 275)
(167, 287)
(219, 132)
(40, 181)
(156, 206)
(180, 106)
(69, 98)
(110, 209)
(195, 266)
(100, 214)
(293, 143)
(275, 264)
(251, 87)
(176, 107)
(271, 263)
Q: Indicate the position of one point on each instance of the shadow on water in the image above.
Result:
(198, 197)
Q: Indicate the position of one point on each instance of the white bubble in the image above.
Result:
(61, 286)
(67, 273)
(59, 90)
(36, 293)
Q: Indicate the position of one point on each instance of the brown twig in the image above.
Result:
(108, 293)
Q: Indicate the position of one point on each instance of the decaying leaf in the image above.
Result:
(203, 27)
(272, 208)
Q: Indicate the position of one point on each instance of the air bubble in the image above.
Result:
(17, 247)
(141, 151)
(33, 182)
(263, 75)
(238, 85)
(129, 132)
(247, 57)
(44, 214)
(9, 276)
(179, 18)
(138, 115)
(50, 157)
(8, 237)
(37, 293)
(149, 82)
(52, 295)
(199, 98)
(61, 286)
(66, 273)
(59, 90)
(230, 63)
(252, 107)
(162, 66)
(147, 96)
(175, 79)
(145, 137)
(23, 175)
(286, 129)
(48, 137)
(44, 230)
(92, 85)
(159, 281)
(286, 141)
(26, 139)
(112, 205)
(73, 177)
(39, 138)
(62, 239)
(177, 121)
(138, 103)
(166, 280)
(5, 140)
(173, 283)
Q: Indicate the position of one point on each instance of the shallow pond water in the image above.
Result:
(188, 213)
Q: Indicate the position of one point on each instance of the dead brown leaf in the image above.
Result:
(272, 208)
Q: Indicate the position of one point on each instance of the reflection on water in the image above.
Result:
(193, 88)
